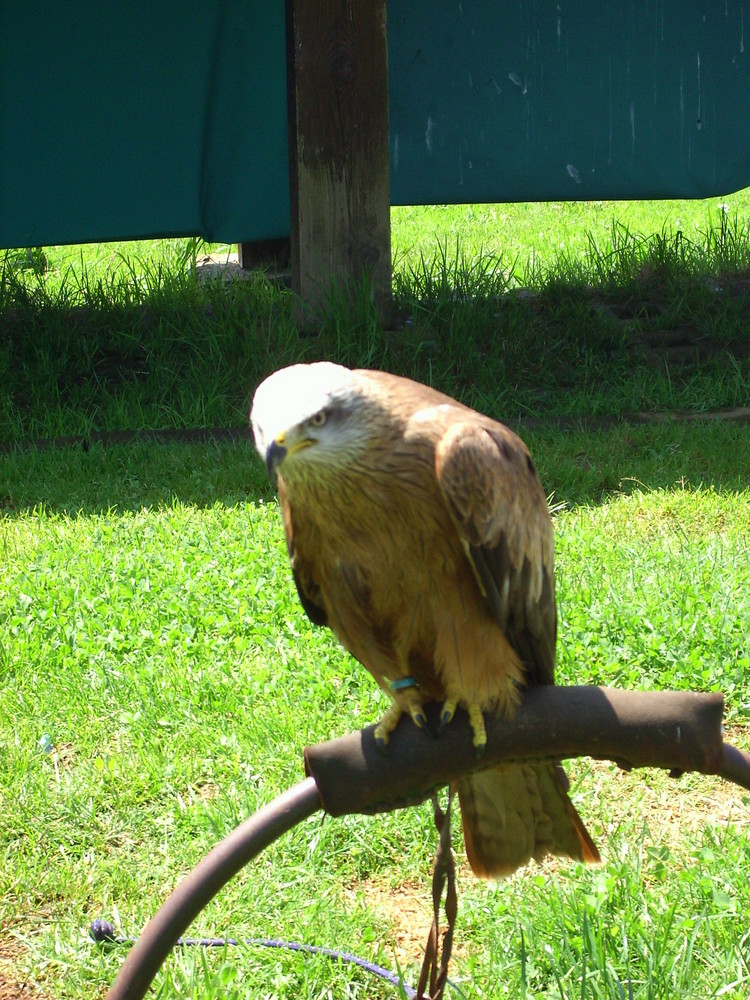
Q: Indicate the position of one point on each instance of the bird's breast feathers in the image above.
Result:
(398, 589)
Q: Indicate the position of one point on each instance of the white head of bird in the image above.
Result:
(311, 413)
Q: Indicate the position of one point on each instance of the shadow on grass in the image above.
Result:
(561, 363)
(128, 477)
(576, 466)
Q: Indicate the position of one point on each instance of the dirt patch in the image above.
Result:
(673, 810)
(15, 984)
(14, 990)
(406, 909)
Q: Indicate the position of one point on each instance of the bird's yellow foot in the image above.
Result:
(389, 721)
(386, 726)
(476, 721)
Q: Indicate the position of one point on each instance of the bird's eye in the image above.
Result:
(318, 419)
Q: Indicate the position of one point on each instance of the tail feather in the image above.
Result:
(517, 812)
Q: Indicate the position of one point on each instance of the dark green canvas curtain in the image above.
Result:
(156, 119)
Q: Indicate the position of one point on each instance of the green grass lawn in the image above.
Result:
(155, 638)
(158, 679)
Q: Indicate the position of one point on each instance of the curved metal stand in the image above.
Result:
(204, 881)
(679, 731)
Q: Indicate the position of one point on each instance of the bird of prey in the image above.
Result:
(418, 531)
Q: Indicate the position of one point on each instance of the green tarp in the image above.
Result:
(160, 119)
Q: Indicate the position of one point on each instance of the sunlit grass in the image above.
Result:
(532, 239)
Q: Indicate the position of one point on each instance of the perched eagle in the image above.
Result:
(418, 531)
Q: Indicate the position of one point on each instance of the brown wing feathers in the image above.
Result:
(513, 813)
(531, 626)
(501, 513)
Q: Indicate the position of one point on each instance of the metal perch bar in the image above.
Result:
(185, 902)
(676, 730)
(679, 731)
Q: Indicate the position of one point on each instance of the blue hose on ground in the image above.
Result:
(103, 932)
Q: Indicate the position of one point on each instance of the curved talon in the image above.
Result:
(418, 717)
(448, 711)
(381, 742)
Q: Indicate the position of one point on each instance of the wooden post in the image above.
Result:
(337, 86)
(263, 255)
